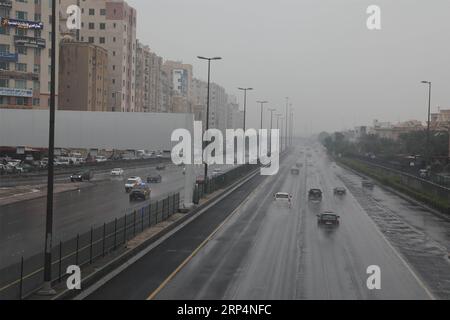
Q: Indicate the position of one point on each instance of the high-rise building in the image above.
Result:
(25, 54)
(110, 24)
(142, 78)
(180, 76)
(83, 77)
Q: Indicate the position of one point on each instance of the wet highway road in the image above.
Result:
(267, 250)
(22, 224)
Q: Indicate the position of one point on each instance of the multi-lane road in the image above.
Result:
(251, 247)
(22, 224)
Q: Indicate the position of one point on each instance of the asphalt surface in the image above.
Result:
(22, 224)
(267, 250)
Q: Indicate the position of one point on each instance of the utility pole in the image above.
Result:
(429, 121)
(245, 104)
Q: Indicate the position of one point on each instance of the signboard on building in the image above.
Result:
(21, 24)
(9, 57)
(14, 92)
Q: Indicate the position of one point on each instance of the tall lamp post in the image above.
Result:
(245, 104)
(279, 117)
(286, 128)
(47, 287)
(429, 120)
(271, 126)
(207, 103)
(262, 107)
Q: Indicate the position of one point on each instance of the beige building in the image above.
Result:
(83, 76)
(110, 24)
(180, 77)
(25, 54)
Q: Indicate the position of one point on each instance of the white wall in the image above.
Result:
(101, 130)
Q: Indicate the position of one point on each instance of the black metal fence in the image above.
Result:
(27, 275)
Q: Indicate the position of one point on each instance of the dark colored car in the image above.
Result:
(154, 178)
(160, 167)
(295, 171)
(339, 191)
(367, 184)
(328, 219)
(81, 176)
(140, 192)
(315, 195)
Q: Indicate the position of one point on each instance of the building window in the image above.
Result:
(36, 85)
(21, 50)
(23, 15)
(4, 83)
(36, 102)
(102, 26)
(20, 84)
(37, 68)
(91, 40)
(103, 12)
(91, 26)
(4, 48)
(92, 12)
(20, 101)
(22, 67)
(4, 30)
(102, 40)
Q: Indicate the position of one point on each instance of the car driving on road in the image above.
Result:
(283, 197)
(132, 182)
(154, 178)
(140, 192)
(117, 172)
(367, 184)
(315, 195)
(160, 167)
(340, 191)
(328, 218)
(81, 176)
(295, 171)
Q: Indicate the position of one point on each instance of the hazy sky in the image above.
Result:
(320, 53)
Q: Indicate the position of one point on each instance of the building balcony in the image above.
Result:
(5, 4)
(31, 42)
(20, 75)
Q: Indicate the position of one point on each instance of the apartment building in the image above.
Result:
(83, 76)
(25, 53)
(110, 24)
(142, 78)
(180, 76)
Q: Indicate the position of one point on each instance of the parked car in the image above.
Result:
(154, 178)
(140, 191)
(315, 195)
(100, 159)
(340, 191)
(328, 218)
(117, 172)
(131, 183)
(82, 176)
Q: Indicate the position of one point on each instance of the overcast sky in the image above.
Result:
(320, 53)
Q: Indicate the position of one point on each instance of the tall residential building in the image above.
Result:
(111, 24)
(83, 77)
(142, 78)
(180, 76)
(155, 86)
(25, 54)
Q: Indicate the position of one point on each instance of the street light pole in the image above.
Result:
(287, 118)
(429, 120)
(245, 104)
(262, 107)
(271, 126)
(47, 287)
(207, 103)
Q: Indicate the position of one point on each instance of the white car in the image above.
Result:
(117, 172)
(132, 182)
(283, 197)
(100, 159)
